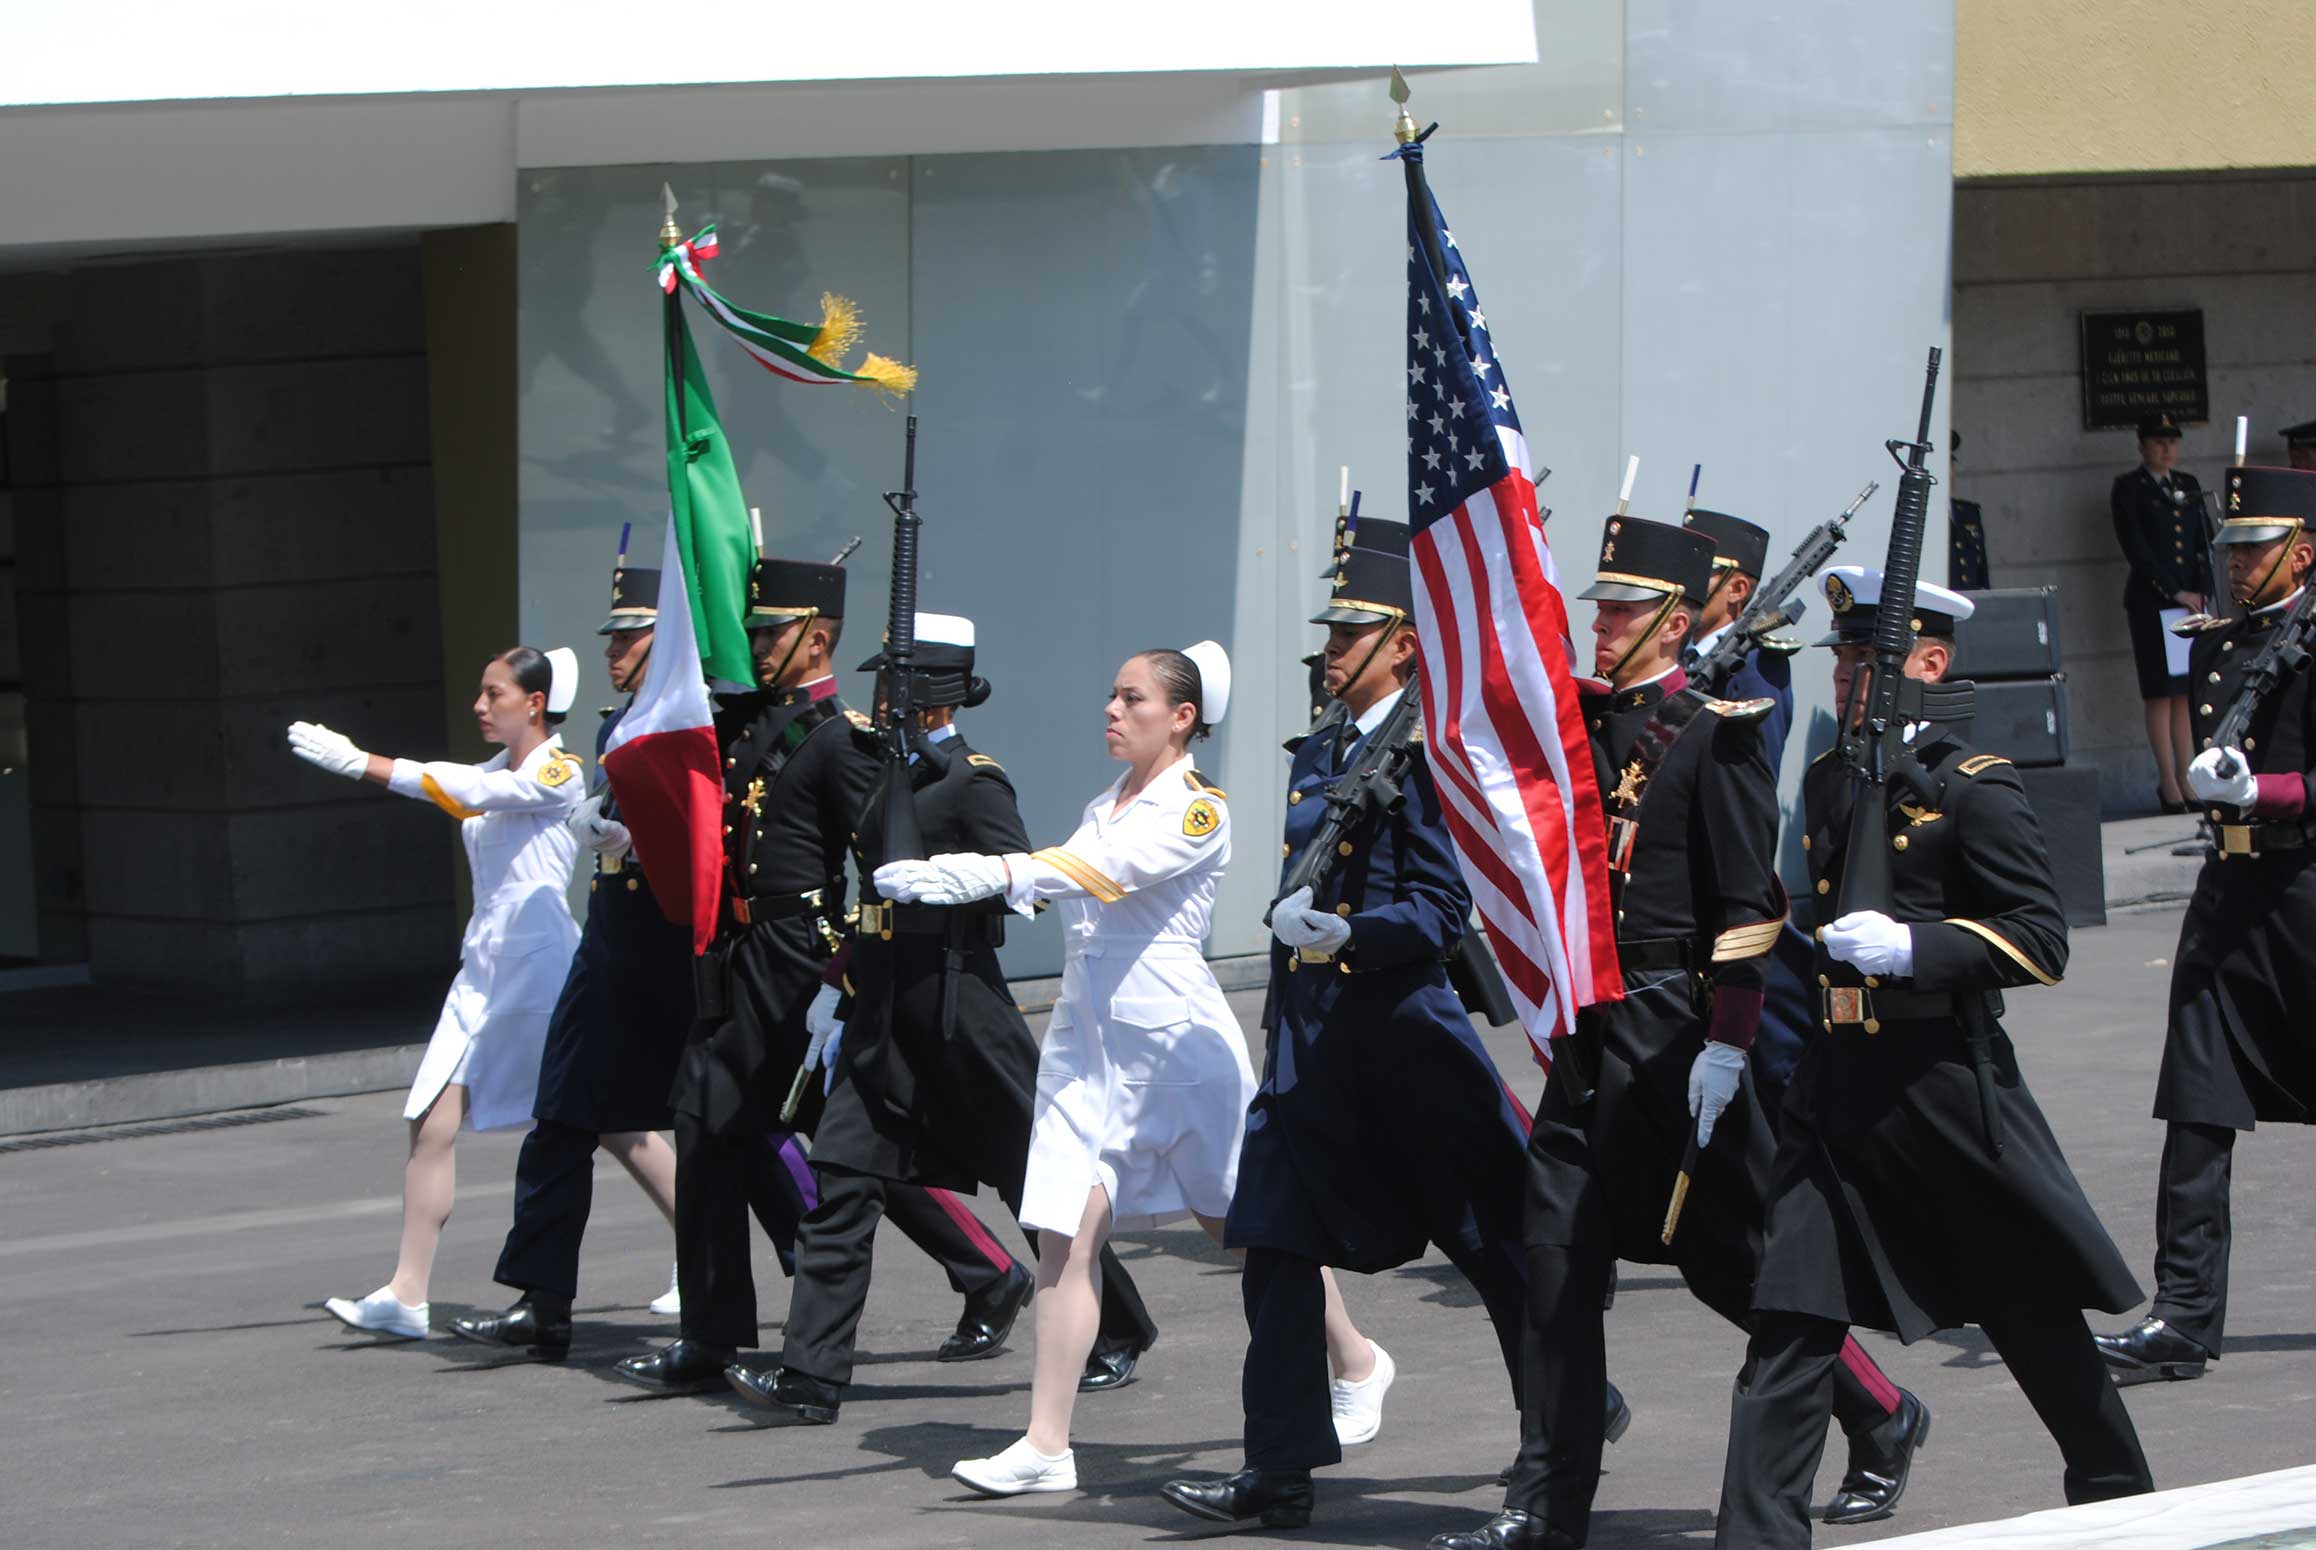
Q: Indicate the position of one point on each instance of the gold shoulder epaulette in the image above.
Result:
(1979, 762)
(984, 762)
(1783, 645)
(1742, 710)
(859, 719)
(2198, 624)
(1198, 782)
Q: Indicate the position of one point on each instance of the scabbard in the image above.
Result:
(1978, 1038)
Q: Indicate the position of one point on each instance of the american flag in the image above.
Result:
(1502, 723)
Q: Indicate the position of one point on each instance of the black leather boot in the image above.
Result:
(1510, 1529)
(1274, 1498)
(2151, 1351)
(794, 1398)
(539, 1322)
(1880, 1461)
(683, 1367)
(988, 1319)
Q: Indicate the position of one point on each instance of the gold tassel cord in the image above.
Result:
(887, 376)
(839, 330)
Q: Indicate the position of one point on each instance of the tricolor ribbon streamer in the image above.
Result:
(801, 352)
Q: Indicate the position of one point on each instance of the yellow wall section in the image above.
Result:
(2043, 86)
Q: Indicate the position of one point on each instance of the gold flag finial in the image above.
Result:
(1403, 130)
(669, 232)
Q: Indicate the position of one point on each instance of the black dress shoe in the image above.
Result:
(1510, 1529)
(2150, 1351)
(541, 1325)
(1880, 1461)
(988, 1319)
(794, 1398)
(1274, 1498)
(1108, 1370)
(1617, 1422)
(683, 1367)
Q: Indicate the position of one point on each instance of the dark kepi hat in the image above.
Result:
(1371, 581)
(634, 600)
(1854, 593)
(2301, 435)
(1643, 561)
(2153, 425)
(2261, 505)
(1377, 533)
(941, 664)
(1738, 545)
(781, 590)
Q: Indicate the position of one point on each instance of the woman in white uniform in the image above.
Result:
(1143, 1081)
(482, 1065)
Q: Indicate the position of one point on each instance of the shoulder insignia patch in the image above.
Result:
(982, 761)
(1198, 782)
(1978, 763)
(1200, 819)
(558, 770)
(1742, 710)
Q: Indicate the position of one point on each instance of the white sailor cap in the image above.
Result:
(1854, 593)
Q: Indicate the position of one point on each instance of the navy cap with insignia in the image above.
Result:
(2260, 505)
(634, 600)
(1854, 593)
(1371, 583)
(1643, 561)
(2152, 426)
(1738, 545)
(941, 664)
(781, 590)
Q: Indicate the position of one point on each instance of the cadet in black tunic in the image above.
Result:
(1888, 1207)
(932, 1070)
(2242, 1041)
(797, 769)
(1692, 816)
(611, 1049)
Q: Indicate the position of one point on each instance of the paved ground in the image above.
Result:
(170, 1380)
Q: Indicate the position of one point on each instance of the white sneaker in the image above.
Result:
(671, 1301)
(1359, 1406)
(381, 1313)
(1019, 1469)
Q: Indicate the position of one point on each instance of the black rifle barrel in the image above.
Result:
(1765, 609)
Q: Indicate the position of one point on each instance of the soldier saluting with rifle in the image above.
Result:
(1916, 1181)
(2243, 993)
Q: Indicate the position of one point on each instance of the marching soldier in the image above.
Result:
(796, 773)
(931, 1070)
(1740, 556)
(2158, 513)
(611, 1046)
(2243, 994)
(1905, 1197)
(1381, 1125)
(1691, 807)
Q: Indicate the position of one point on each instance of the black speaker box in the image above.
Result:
(2023, 719)
(2013, 634)
(2066, 804)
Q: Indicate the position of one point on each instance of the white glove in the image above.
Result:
(1295, 923)
(1713, 1084)
(2209, 785)
(327, 750)
(958, 878)
(1872, 943)
(606, 835)
(824, 1028)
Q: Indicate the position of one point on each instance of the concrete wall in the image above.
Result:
(2028, 258)
(2045, 86)
(225, 522)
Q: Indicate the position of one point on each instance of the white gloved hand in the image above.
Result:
(828, 1061)
(1295, 923)
(1872, 943)
(607, 836)
(823, 1028)
(327, 750)
(2209, 785)
(957, 878)
(1713, 1079)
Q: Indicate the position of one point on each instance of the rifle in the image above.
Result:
(1370, 785)
(2282, 656)
(1767, 609)
(1875, 749)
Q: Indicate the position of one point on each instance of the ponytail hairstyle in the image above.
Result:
(534, 674)
(1179, 677)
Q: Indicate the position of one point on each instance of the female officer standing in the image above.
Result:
(482, 1065)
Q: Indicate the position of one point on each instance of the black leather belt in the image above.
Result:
(1664, 952)
(764, 907)
(887, 921)
(2252, 839)
(1869, 1006)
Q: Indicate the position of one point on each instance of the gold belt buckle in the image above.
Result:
(1851, 1004)
(1314, 955)
(2235, 839)
(606, 864)
(877, 918)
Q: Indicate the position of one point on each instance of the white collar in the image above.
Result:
(1704, 644)
(1643, 683)
(2281, 604)
(942, 734)
(1373, 716)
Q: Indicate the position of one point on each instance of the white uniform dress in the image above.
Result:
(1143, 1081)
(518, 944)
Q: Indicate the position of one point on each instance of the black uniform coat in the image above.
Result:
(756, 980)
(2242, 1045)
(937, 1070)
(620, 1023)
(1698, 908)
(1381, 1125)
(2164, 541)
(1887, 1209)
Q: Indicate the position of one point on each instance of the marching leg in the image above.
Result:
(2051, 1357)
(1777, 1425)
(2184, 1329)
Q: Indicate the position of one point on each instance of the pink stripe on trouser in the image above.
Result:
(970, 1225)
(1862, 1368)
